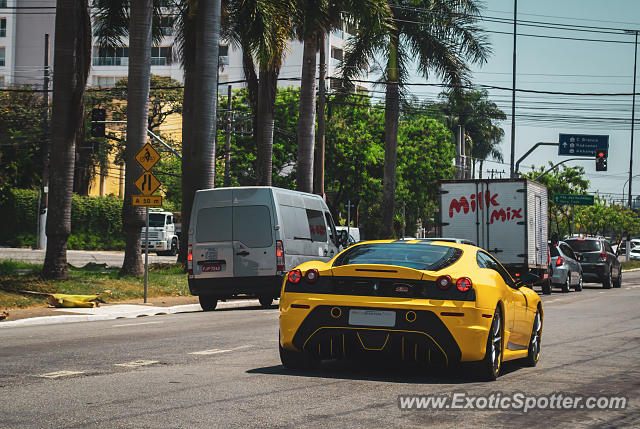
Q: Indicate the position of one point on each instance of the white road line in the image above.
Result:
(137, 363)
(217, 351)
(135, 324)
(58, 374)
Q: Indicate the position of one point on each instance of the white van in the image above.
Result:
(243, 240)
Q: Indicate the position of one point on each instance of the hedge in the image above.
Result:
(96, 222)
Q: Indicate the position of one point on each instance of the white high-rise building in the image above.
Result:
(24, 23)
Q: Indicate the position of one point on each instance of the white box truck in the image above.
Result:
(163, 233)
(508, 218)
(243, 240)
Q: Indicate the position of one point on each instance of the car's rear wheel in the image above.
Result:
(606, 283)
(208, 302)
(618, 281)
(265, 301)
(535, 343)
(567, 284)
(578, 287)
(489, 367)
(297, 360)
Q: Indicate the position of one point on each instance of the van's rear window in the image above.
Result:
(416, 256)
(584, 245)
(214, 224)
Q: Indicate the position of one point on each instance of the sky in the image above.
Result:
(561, 65)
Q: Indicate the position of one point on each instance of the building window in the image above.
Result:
(161, 56)
(166, 25)
(1, 57)
(1, 81)
(3, 27)
(103, 56)
(3, 3)
(335, 83)
(106, 81)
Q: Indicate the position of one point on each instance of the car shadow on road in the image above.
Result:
(387, 372)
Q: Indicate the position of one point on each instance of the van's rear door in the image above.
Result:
(254, 247)
(213, 242)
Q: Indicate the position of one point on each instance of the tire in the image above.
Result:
(489, 367)
(618, 280)
(265, 301)
(535, 342)
(297, 360)
(546, 287)
(208, 302)
(174, 248)
(606, 283)
(578, 287)
(566, 286)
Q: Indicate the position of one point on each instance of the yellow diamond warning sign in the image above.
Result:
(148, 201)
(147, 183)
(147, 157)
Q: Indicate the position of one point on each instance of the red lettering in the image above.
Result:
(516, 213)
(498, 215)
(456, 205)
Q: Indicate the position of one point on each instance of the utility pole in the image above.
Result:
(349, 206)
(227, 156)
(633, 112)
(318, 163)
(41, 242)
(513, 92)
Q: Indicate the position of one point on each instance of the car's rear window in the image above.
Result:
(554, 251)
(416, 256)
(584, 245)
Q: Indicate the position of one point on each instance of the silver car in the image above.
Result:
(566, 271)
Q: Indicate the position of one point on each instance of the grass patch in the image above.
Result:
(164, 280)
(629, 265)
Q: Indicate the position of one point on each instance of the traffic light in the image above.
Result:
(601, 160)
(97, 128)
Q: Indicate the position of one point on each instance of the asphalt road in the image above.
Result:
(221, 369)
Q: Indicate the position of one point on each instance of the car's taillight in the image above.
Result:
(444, 282)
(559, 261)
(294, 276)
(279, 255)
(603, 257)
(190, 259)
(464, 284)
(312, 275)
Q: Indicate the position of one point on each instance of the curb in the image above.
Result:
(134, 312)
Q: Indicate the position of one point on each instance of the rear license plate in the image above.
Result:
(210, 268)
(372, 318)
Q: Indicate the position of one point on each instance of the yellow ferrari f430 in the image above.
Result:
(428, 302)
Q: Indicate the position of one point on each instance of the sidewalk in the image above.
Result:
(119, 310)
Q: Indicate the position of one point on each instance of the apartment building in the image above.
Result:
(24, 23)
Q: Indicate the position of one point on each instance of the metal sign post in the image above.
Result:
(349, 205)
(146, 256)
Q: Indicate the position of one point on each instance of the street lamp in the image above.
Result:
(633, 105)
(625, 185)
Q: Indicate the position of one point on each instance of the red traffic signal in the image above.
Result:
(601, 160)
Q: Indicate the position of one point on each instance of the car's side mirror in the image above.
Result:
(527, 279)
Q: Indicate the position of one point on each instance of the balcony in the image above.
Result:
(110, 61)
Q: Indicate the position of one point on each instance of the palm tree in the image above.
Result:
(140, 41)
(72, 54)
(312, 19)
(440, 36)
(262, 29)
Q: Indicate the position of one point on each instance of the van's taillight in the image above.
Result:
(190, 260)
(279, 256)
(603, 257)
(559, 261)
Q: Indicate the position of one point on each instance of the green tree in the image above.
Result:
(441, 37)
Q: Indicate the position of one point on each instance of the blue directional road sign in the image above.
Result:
(581, 144)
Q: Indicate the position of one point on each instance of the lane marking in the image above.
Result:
(58, 374)
(137, 363)
(135, 324)
(217, 351)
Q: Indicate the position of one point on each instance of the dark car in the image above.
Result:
(566, 271)
(598, 260)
